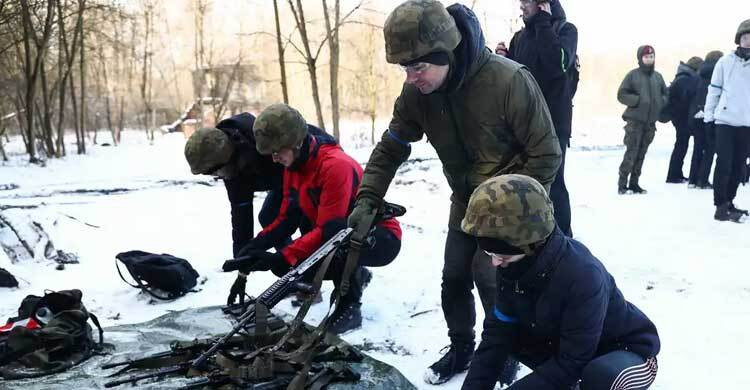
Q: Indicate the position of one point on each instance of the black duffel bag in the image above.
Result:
(172, 275)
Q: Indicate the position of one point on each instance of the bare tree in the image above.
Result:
(332, 33)
(33, 58)
(147, 68)
(310, 59)
(280, 48)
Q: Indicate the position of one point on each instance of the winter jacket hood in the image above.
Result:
(468, 52)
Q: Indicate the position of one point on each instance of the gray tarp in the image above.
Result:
(138, 340)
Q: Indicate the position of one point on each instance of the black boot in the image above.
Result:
(508, 375)
(723, 213)
(348, 314)
(622, 185)
(637, 189)
(705, 186)
(456, 360)
(733, 208)
(346, 317)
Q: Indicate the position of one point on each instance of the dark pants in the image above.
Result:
(731, 154)
(559, 193)
(638, 137)
(464, 266)
(704, 139)
(270, 208)
(384, 248)
(619, 370)
(681, 142)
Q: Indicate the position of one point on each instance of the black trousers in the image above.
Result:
(464, 265)
(559, 193)
(704, 143)
(384, 248)
(731, 154)
(682, 140)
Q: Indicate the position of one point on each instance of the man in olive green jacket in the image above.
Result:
(645, 94)
(484, 115)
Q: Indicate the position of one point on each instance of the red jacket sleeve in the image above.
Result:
(335, 196)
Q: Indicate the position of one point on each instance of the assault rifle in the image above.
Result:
(292, 281)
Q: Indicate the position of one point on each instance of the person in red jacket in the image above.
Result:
(319, 189)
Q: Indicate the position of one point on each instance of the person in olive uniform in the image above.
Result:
(645, 94)
(557, 310)
(484, 115)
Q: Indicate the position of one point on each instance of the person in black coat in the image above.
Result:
(227, 151)
(704, 134)
(558, 311)
(547, 46)
(681, 94)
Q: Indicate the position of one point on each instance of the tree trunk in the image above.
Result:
(299, 17)
(82, 47)
(333, 49)
(280, 48)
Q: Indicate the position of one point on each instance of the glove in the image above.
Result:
(238, 289)
(699, 115)
(256, 261)
(363, 208)
(264, 261)
(251, 248)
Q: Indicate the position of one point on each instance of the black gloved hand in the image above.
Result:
(238, 289)
(264, 261)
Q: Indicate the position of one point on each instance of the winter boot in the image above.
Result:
(733, 208)
(637, 189)
(723, 213)
(455, 361)
(346, 317)
(509, 372)
(622, 185)
(348, 314)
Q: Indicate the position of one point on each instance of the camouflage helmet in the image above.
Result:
(279, 126)
(417, 28)
(743, 29)
(208, 149)
(512, 208)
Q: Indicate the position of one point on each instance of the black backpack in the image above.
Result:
(164, 272)
(59, 337)
(7, 279)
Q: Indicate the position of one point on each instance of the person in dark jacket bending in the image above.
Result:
(227, 151)
(547, 47)
(558, 310)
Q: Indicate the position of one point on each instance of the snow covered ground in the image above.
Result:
(668, 255)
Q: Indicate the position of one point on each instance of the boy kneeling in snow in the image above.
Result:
(557, 311)
(319, 189)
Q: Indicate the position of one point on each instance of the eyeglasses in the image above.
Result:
(417, 68)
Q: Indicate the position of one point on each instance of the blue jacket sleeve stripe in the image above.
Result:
(397, 139)
(502, 317)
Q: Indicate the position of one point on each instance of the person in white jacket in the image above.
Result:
(728, 106)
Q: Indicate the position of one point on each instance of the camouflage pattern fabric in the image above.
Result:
(207, 150)
(279, 126)
(512, 208)
(417, 28)
(638, 136)
(744, 28)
